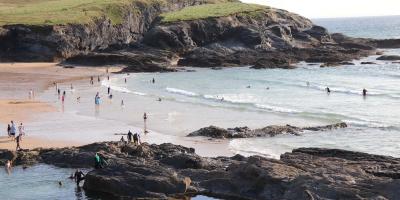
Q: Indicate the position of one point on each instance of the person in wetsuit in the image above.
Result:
(364, 92)
(79, 176)
(328, 90)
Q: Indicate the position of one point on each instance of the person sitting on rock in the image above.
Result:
(97, 161)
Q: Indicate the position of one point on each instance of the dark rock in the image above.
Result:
(368, 63)
(389, 57)
(6, 155)
(271, 131)
(169, 171)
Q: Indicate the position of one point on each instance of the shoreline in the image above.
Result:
(16, 103)
(41, 108)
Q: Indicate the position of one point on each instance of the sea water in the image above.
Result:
(373, 120)
(41, 181)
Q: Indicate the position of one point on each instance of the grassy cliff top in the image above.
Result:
(210, 10)
(52, 12)
(38, 12)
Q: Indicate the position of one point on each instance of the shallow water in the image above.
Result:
(240, 95)
(41, 182)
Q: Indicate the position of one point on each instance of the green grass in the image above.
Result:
(210, 10)
(59, 12)
(39, 12)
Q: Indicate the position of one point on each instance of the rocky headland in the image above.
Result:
(143, 40)
(167, 170)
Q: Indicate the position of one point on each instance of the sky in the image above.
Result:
(335, 8)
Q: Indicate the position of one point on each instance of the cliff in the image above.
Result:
(158, 35)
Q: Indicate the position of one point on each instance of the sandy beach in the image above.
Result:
(50, 123)
(16, 103)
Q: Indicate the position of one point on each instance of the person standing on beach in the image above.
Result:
(98, 79)
(91, 80)
(108, 90)
(145, 120)
(125, 80)
(153, 81)
(21, 130)
(122, 103)
(8, 130)
(13, 130)
(62, 98)
(59, 92)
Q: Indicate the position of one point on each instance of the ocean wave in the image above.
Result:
(120, 88)
(181, 92)
(370, 124)
(276, 108)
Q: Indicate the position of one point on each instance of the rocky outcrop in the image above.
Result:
(389, 57)
(167, 170)
(56, 43)
(269, 131)
(266, 38)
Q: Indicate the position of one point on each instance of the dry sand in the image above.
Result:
(16, 82)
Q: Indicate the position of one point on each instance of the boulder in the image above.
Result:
(389, 57)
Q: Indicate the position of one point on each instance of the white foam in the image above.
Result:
(118, 88)
(276, 108)
(181, 92)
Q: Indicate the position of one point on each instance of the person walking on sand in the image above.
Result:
(91, 80)
(58, 92)
(62, 98)
(108, 90)
(122, 103)
(125, 80)
(8, 130)
(153, 80)
(145, 120)
(13, 130)
(98, 79)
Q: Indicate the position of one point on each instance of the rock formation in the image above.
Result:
(269, 131)
(167, 170)
(268, 38)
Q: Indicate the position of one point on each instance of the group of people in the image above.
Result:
(131, 137)
(364, 91)
(12, 132)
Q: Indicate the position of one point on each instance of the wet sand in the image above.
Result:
(16, 102)
(51, 123)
